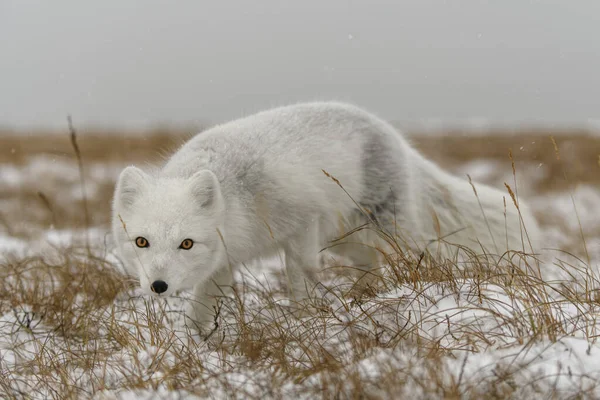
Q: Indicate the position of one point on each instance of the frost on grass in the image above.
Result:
(72, 326)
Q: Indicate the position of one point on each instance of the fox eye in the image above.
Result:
(141, 242)
(186, 244)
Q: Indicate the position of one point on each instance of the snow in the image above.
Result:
(12, 245)
(467, 319)
(162, 393)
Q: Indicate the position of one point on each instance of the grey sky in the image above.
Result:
(124, 62)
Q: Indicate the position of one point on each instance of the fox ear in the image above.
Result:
(130, 184)
(205, 188)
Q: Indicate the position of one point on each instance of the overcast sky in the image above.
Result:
(128, 63)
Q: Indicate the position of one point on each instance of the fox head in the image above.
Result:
(168, 230)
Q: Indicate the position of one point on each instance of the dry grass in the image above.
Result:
(74, 327)
(578, 154)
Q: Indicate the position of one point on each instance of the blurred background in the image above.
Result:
(424, 64)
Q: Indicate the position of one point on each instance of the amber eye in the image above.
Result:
(141, 242)
(186, 244)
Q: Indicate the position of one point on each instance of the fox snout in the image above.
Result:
(159, 286)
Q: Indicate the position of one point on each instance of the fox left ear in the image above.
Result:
(130, 184)
(205, 188)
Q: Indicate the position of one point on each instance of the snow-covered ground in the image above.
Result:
(444, 334)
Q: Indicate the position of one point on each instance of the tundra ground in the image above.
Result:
(72, 326)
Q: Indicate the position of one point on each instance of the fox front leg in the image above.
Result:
(202, 310)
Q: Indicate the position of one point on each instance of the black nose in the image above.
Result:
(159, 286)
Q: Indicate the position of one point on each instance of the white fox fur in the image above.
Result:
(253, 186)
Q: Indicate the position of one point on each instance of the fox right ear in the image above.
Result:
(131, 182)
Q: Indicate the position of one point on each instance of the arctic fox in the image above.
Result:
(294, 178)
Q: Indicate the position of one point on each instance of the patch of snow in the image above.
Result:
(12, 245)
(162, 393)
(10, 176)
